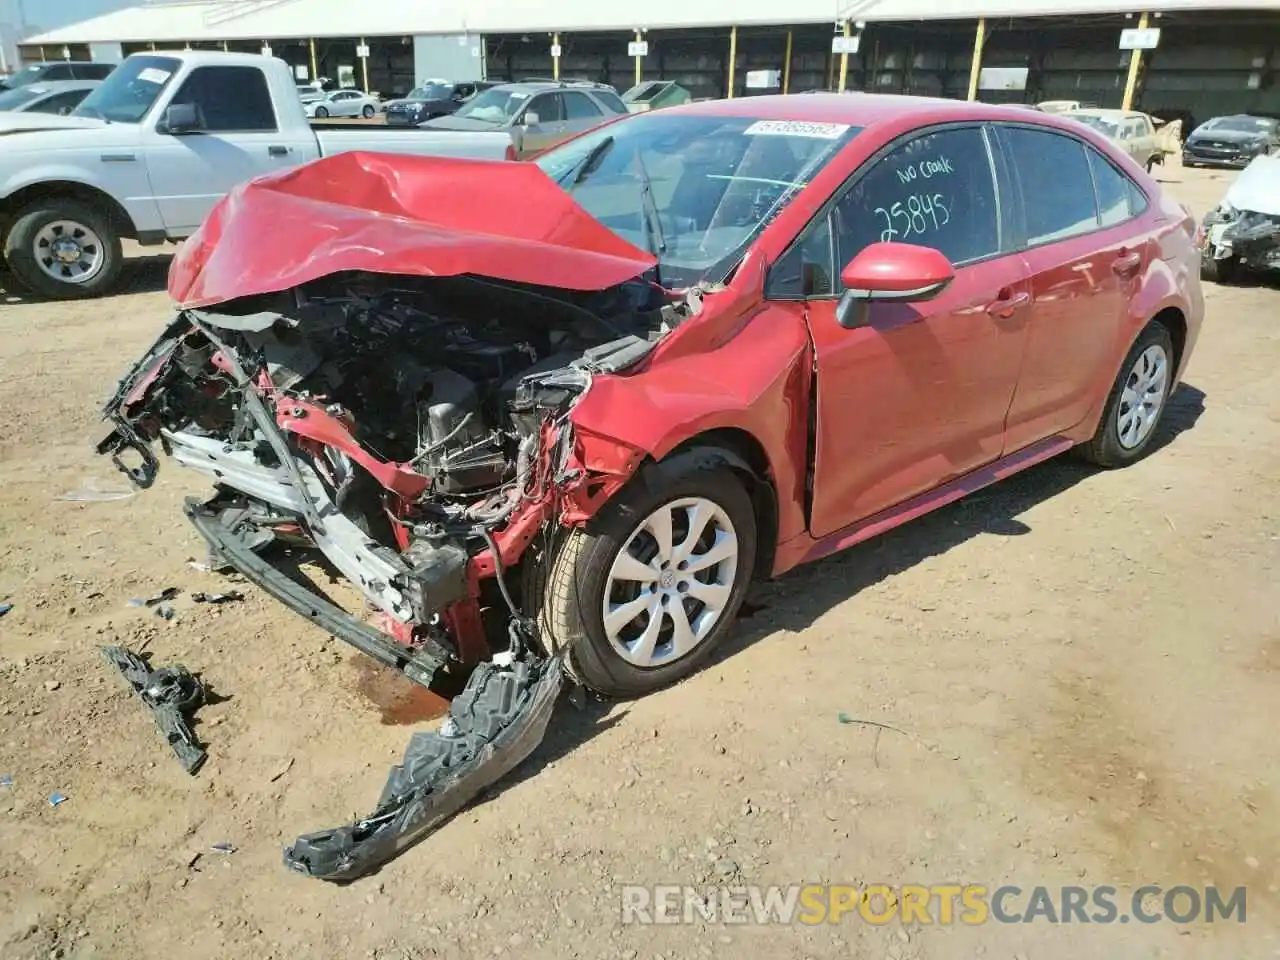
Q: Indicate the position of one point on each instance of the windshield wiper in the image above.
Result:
(590, 162)
(652, 218)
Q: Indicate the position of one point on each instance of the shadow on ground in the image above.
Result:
(148, 273)
(796, 600)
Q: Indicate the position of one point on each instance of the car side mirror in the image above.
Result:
(531, 118)
(180, 118)
(890, 272)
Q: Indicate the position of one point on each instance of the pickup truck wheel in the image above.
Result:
(1137, 401)
(368, 112)
(640, 597)
(322, 113)
(64, 249)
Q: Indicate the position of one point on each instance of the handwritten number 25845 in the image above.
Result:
(918, 214)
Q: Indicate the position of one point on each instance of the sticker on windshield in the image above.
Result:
(797, 128)
(153, 75)
(517, 95)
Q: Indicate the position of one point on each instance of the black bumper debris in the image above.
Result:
(419, 664)
(172, 694)
(495, 723)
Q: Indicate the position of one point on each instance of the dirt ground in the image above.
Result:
(1084, 665)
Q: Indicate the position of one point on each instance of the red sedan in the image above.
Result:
(559, 413)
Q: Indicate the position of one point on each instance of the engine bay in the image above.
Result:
(399, 425)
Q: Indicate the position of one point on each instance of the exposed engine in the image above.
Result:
(396, 424)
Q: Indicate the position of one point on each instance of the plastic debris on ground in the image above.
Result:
(172, 694)
(215, 598)
(168, 593)
(164, 612)
(5, 608)
(6, 780)
(57, 798)
(223, 847)
(90, 492)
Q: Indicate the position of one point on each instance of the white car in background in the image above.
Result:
(342, 103)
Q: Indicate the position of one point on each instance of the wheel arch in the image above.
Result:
(743, 453)
(117, 216)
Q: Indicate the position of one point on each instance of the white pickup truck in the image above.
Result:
(148, 153)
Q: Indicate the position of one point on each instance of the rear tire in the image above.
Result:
(588, 574)
(31, 250)
(1136, 403)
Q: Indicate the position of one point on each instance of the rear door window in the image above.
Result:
(58, 71)
(1055, 182)
(578, 106)
(611, 100)
(548, 107)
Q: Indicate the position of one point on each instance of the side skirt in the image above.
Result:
(807, 549)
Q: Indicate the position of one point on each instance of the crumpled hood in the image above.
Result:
(25, 121)
(1257, 189)
(425, 216)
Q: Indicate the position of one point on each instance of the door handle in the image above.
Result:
(1005, 307)
(1127, 264)
(278, 150)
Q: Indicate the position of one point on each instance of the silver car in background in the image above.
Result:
(342, 103)
(51, 96)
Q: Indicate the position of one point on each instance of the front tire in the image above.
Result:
(1137, 401)
(368, 112)
(322, 113)
(64, 250)
(641, 596)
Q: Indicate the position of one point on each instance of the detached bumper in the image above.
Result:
(420, 665)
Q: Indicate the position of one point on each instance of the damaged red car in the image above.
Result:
(550, 418)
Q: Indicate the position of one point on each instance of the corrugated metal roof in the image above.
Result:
(282, 19)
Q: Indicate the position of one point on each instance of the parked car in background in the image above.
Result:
(56, 96)
(436, 98)
(543, 112)
(1243, 232)
(1231, 141)
(149, 152)
(1062, 106)
(1141, 136)
(342, 103)
(58, 70)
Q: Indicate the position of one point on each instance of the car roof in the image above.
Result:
(857, 109)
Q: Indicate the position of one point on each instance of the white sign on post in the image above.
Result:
(555, 51)
(638, 48)
(362, 50)
(1147, 38)
(266, 49)
(842, 44)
